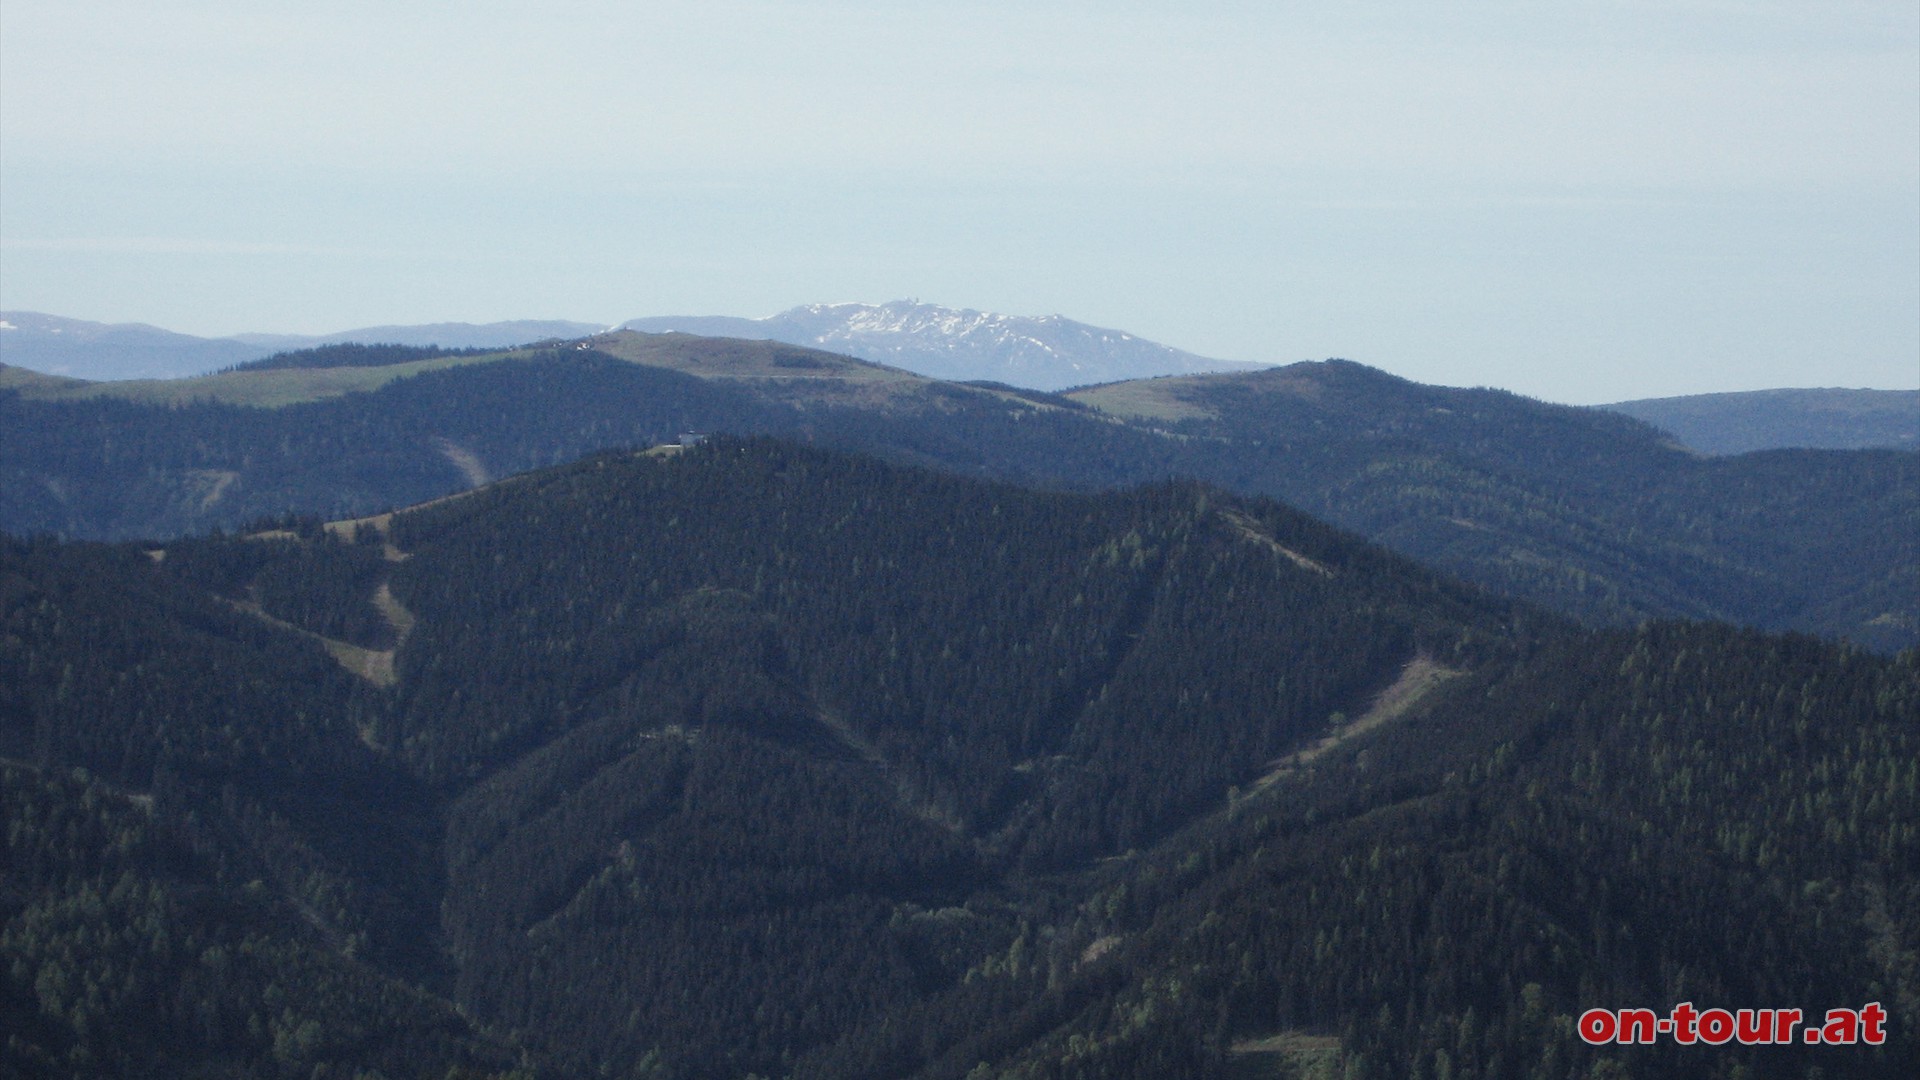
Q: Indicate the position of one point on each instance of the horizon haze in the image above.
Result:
(1591, 202)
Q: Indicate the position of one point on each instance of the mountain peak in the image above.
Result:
(1043, 352)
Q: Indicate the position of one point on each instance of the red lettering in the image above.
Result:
(1638, 1026)
(1598, 1026)
(1873, 1019)
(1683, 1021)
(1842, 1026)
(1716, 1026)
(1752, 1027)
(1755, 1026)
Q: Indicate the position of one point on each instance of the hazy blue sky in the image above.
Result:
(1582, 201)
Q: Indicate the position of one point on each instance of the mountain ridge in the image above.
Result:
(78, 348)
(1045, 352)
(1829, 418)
(1592, 513)
(1049, 352)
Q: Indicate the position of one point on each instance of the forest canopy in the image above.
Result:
(763, 759)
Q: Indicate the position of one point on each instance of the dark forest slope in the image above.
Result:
(206, 870)
(1592, 513)
(1588, 512)
(757, 758)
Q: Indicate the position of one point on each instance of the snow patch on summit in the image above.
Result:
(1048, 352)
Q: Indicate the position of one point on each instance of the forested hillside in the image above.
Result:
(207, 872)
(1772, 419)
(758, 759)
(1590, 513)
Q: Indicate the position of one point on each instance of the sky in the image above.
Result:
(1584, 201)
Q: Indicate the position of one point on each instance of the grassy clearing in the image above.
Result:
(382, 524)
(399, 619)
(1420, 678)
(261, 389)
(465, 460)
(728, 358)
(1291, 1054)
(711, 358)
(1148, 399)
(373, 665)
(1183, 397)
(348, 529)
(31, 383)
(1258, 533)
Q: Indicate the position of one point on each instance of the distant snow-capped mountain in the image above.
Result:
(1047, 352)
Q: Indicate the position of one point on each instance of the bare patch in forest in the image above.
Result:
(373, 665)
(1292, 1054)
(465, 460)
(915, 801)
(1258, 533)
(1417, 680)
(213, 484)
